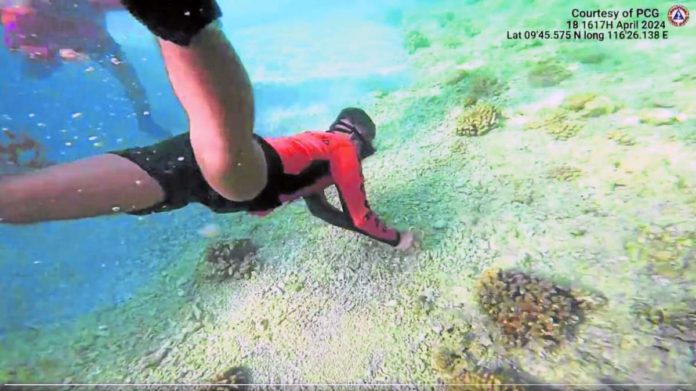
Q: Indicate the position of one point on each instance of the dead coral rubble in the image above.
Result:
(530, 308)
(234, 259)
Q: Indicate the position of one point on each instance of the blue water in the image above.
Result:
(307, 60)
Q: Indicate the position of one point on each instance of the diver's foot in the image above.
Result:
(148, 125)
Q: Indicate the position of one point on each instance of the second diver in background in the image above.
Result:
(47, 33)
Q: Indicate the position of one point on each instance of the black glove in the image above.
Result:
(177, 21)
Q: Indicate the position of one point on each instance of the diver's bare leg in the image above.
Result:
(100, 185)
(214, 89)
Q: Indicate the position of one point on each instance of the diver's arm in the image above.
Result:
(346, 172)
(321, 208)
(214, 89)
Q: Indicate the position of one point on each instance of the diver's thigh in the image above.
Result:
(99, 185)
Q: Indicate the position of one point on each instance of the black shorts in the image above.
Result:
(172, 164)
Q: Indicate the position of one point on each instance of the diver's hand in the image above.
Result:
(407, 241)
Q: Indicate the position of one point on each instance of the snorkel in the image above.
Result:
(356, 123)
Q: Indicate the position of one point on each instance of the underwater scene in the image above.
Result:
(535, 161)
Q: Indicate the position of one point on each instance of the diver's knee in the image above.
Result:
(239, 177)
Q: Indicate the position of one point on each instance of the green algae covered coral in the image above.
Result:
(530, 308)
(235, 378)
(671, 321)
(564, 130)
(458, 372)
(557, 124)
(586, 55)
(415, 40)
(444, 359)
(477, 120)
(565, 173)
(234, 259)
(621, 138)
(461, 372)
(577, 102)
(589, 104)
(453, 24)
(476, 85)
(682, 316)
(446, 18)
(468, 380)
(599, 106)
(451, 41)
(484, 85)
(666, 251)
(547, 73)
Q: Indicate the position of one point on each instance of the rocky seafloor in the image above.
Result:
(553, 185)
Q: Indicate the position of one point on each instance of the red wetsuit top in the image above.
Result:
(299, 153)
(299, 166)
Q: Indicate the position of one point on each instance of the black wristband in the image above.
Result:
(177, 21)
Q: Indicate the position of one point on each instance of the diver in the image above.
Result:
(48, 33)
(220, 162)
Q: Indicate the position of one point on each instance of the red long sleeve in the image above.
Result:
(301, 151)
(346, 172)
